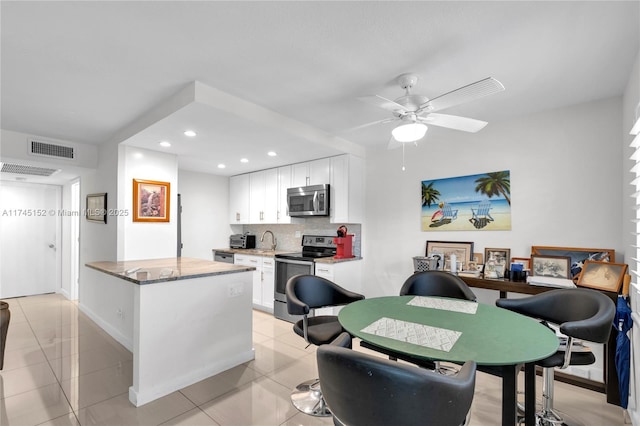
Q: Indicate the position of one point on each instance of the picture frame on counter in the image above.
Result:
(551, 266)
(151, 201)
(496, 262)
(463, 250)
(604, 276)
(578, 256)
(96, 208)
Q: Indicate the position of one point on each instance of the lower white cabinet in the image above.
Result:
(347, 274)
(263, 279)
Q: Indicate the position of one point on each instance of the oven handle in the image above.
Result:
(297, 262)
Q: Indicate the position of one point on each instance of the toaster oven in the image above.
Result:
(242, 241)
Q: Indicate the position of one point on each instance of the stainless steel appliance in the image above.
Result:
(223, 256)
(290, 264)
(308, 200)
(242, 241)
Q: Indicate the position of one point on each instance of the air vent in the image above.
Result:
(27, 170)
(46, 149)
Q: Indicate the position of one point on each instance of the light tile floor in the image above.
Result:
(62, 369)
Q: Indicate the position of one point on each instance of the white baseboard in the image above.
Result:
(112, 331)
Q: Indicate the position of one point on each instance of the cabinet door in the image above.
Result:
(284, 183)
(271, 205)
(325, 271)
(268, 282)
(256, 262)
(239, 199)
(319, 171)
(347, 189)
(263, 189)
(299, 175)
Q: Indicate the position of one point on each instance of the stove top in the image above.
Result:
(313, 247)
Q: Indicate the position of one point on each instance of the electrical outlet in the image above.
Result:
(235, 289)
(297, 234)
(120, 313)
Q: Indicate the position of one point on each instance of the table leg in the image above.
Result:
(509, 395)
(530, 394)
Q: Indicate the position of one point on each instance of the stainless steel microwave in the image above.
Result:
(308, 200)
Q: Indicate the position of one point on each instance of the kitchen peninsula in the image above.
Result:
(184, 319)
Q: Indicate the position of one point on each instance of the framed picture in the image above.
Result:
(151, 201)
(551, 266)
(525, 261)
(477, 257)
(96, 210)
(578, 256)
(462, 250)
(602, 275)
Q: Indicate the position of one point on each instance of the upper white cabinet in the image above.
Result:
(239, 199)
(316, 172)
(347, 189)
(263, 199)
(284, 183)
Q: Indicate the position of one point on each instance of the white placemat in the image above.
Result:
(464, 306)
(418, 334)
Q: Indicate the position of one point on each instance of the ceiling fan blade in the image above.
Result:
(454, 122)
(464, 94)
(383, 103)
(373, 123)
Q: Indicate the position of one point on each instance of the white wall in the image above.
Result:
(146, 240)
(205, 213)
(565, 186)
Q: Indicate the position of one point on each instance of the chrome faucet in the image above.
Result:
(274, 242)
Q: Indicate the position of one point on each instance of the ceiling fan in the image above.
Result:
(414, 112)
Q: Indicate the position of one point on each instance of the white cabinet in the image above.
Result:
(347, 275)
(284, 183)
(239, 199)
(263, 198)
(263, 279)
(347, 189)
(316, 172)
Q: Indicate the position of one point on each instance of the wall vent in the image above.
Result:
(47, 149)
(22, 169)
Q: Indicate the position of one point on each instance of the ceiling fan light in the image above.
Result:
(409, 132)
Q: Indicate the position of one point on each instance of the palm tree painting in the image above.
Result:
(466, 203)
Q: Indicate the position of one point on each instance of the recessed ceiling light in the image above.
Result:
(244, 160)
(165, 144)
(190, 133)
(271, 154)
(221, 166)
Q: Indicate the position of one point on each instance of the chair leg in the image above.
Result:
(548, 416)
(307, 398)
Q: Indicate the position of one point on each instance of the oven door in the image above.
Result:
(285, 269)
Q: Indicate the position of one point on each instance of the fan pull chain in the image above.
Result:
(403, 169)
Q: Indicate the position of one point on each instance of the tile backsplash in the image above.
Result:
(286, 233)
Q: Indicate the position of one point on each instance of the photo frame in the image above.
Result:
(496, 262)
(462, 250)
(551, 266)
(578, 256)
(525, 261)
(96, 208)
(151, 201)
(605, 276)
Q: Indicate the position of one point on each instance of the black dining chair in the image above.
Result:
(364, 390)
(305, 293)
(429, 283)
(583, 314)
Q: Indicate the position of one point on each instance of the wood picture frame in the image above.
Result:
(151, 201)
(578, 256)
(496, 262)
(551, 266)
(525, 261)
(96, 208)
(604, 276)
(462, 249)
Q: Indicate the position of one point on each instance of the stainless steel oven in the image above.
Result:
(291, 264)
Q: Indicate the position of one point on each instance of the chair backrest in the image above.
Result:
(437, 283)
(306, 292)
(446, 210)
(581, 313)
(484, 207)
(361, 389)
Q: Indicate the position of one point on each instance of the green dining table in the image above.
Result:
(441, 329)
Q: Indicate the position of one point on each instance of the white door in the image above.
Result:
(29, 236)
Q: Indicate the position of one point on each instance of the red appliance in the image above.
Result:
(344, 246)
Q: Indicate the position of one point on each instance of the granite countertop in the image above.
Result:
(163, 270)
(272, 253)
